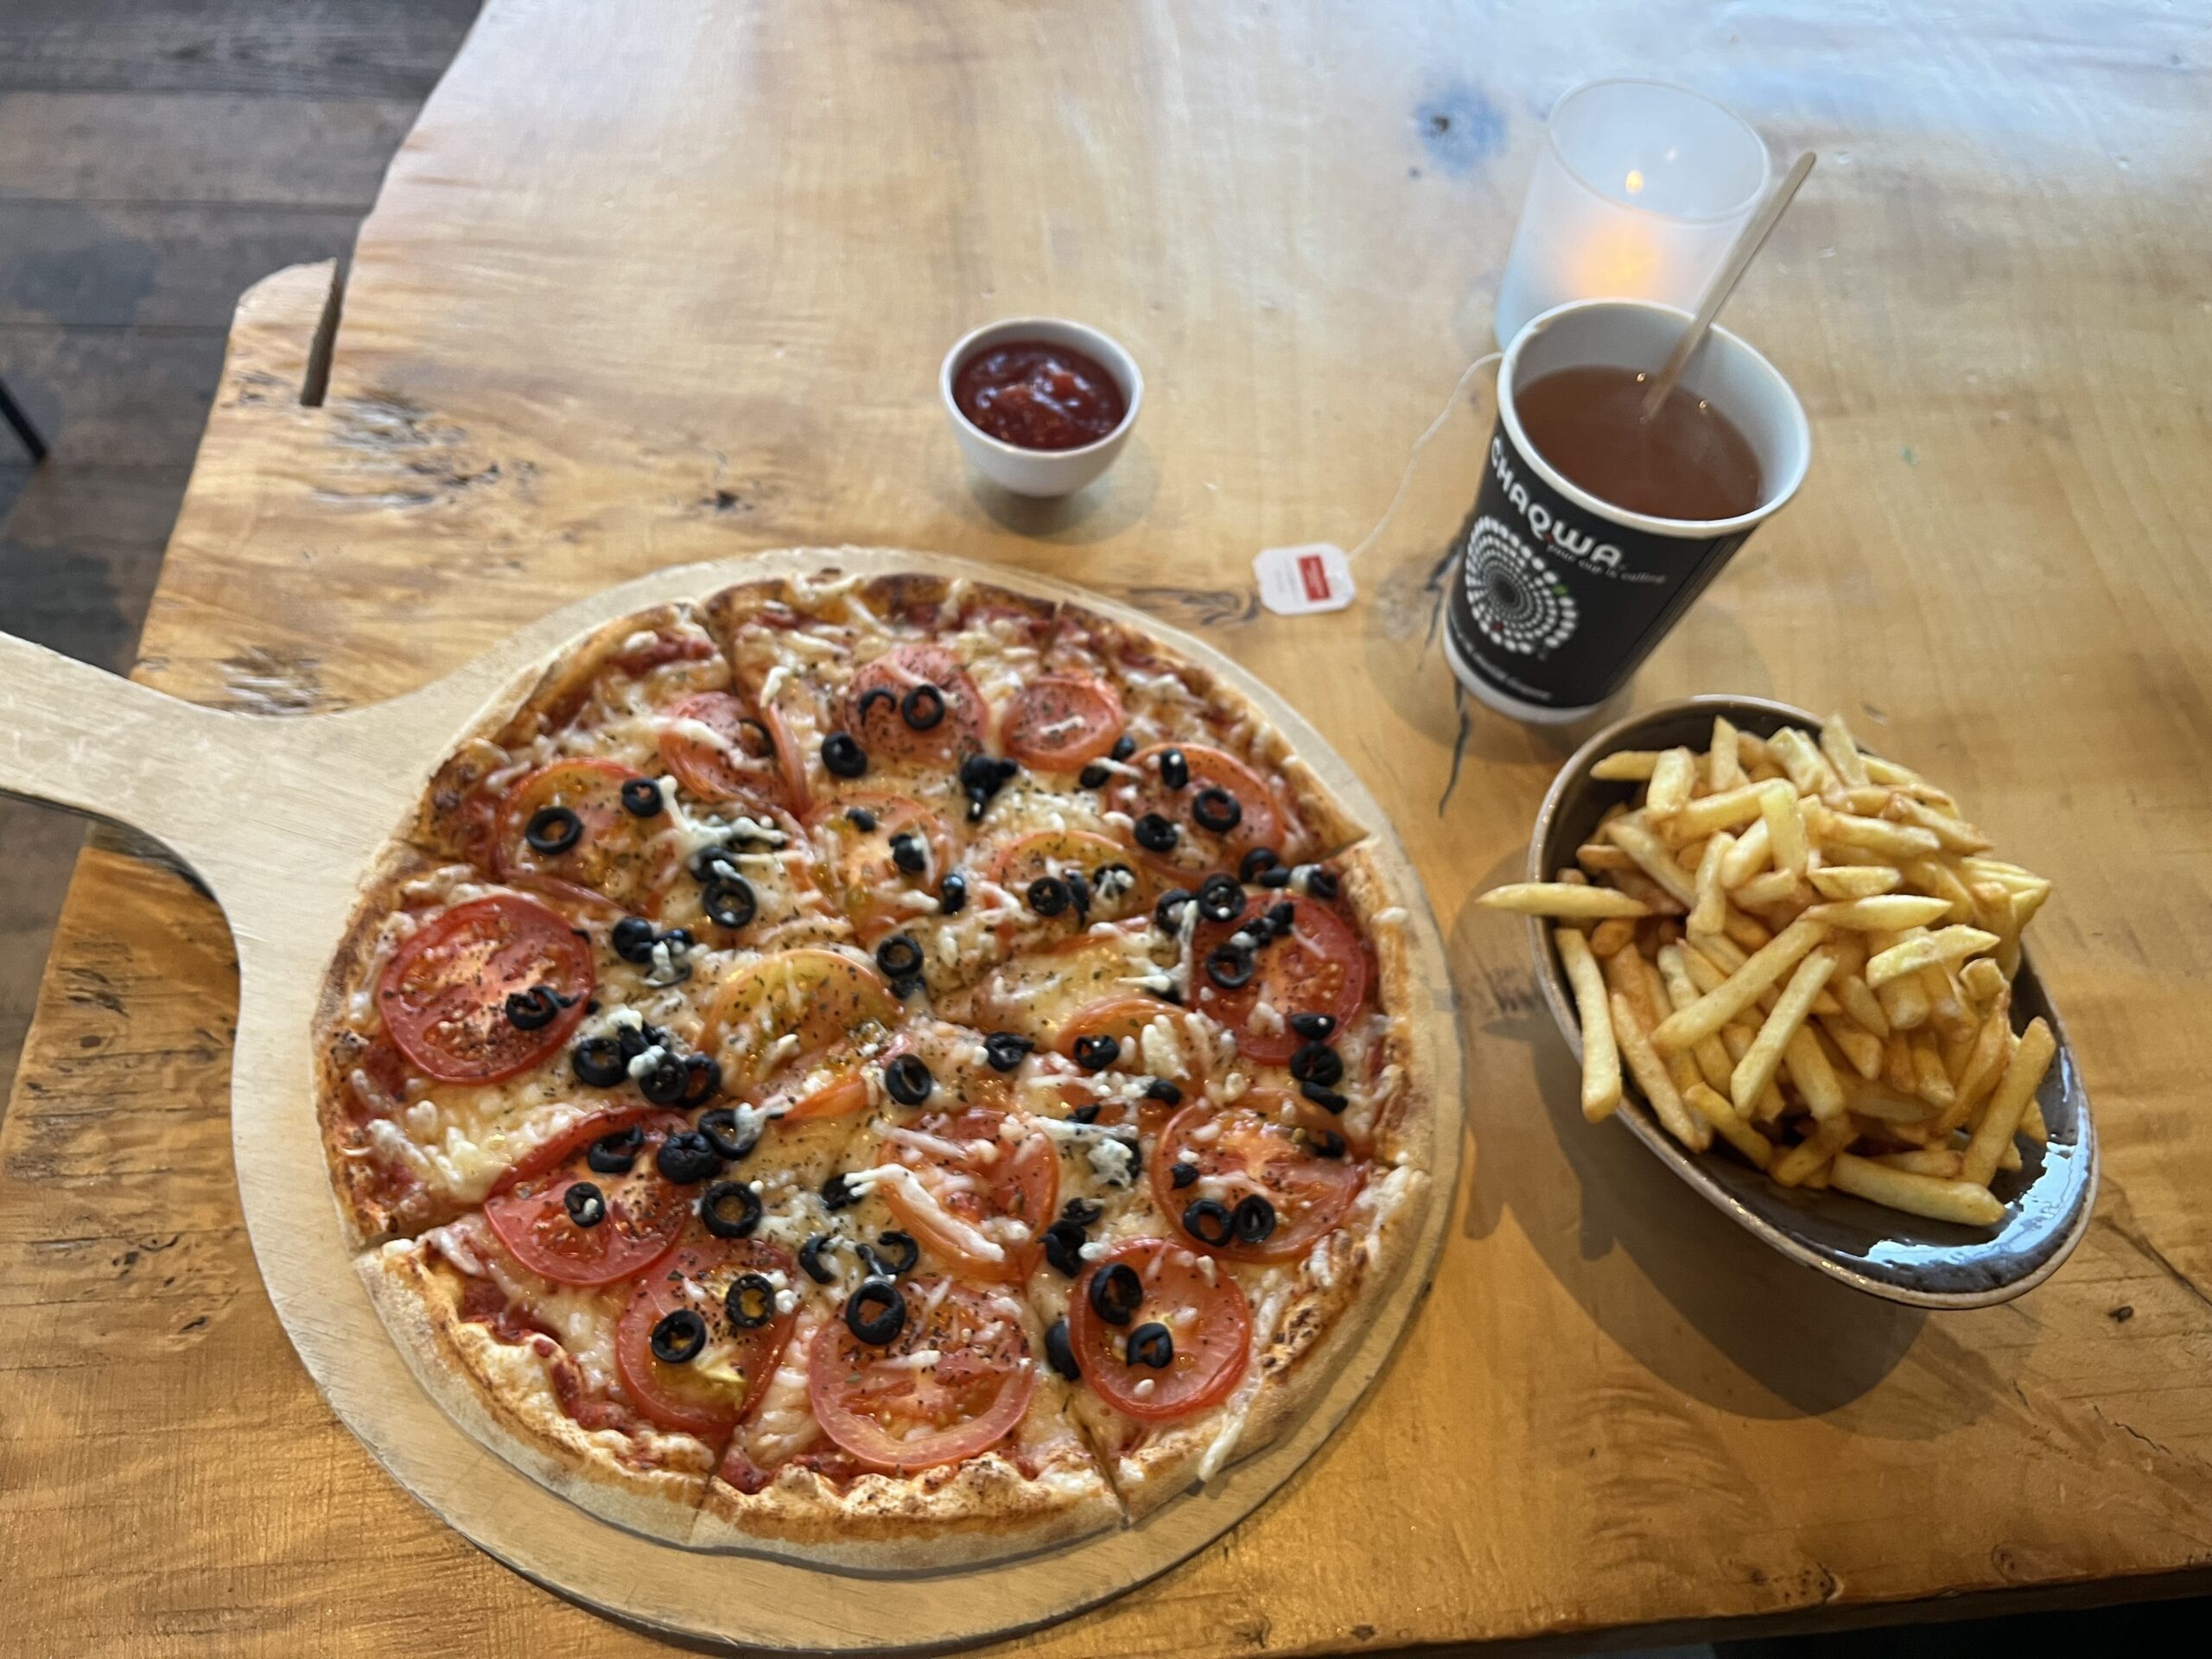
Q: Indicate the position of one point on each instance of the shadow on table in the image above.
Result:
(1615, 1227)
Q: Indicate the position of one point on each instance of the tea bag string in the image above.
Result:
(1413, 459)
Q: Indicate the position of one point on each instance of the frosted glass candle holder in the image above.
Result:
(1639, 191)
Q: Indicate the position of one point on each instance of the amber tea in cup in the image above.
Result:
(1688, 461)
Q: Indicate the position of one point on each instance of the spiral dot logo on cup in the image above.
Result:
(1517, 602)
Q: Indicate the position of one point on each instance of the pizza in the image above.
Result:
(884, 1071)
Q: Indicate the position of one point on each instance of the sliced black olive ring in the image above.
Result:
(1096, 1053)
(750, 1302)
(1164, 1090)
(953, 894)
(1256, 862)
(702, 1080)
(809, 1258)
(843, 756)
(1124, 746)
(1004, 1050)
(1174, 770)
(1220, 900)
(908, 853)
(1216, 810)
(585, 1203)
(923, 707)
(876, 1313)
(723, 1132)
(553, 829)
(598, 1062)
(1059, 1352)
(1323, 884)
(873, 696)
(1327, 1143)
(714, 863)
(1253, 1220)
(836, 1195)
(535, 1008)
(1208, 1220)
(687, 1158)
(859, 817)
(641, 798)
(1155, 834)
(1048, 896)
(1282, 917)
(904, 1254)
(664, 1082)
(1229, 967)
(1275, 875)
(907, 1080)
(1082, 1212)
(633, 939)
(1181, 1175)
(1328, 1099)
(730, 1210)
(1084, 1114)
(679, 1336)
(1168, 913)
(1317, 1063)
(729, 901)
(1318, 1027)
(1116, 1293)
(1093, 776)
(616, 1154)
(899, 956)
(1151, 1344)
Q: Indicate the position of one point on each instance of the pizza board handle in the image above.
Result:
(75, 736)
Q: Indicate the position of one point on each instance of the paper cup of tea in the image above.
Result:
(1559, 593)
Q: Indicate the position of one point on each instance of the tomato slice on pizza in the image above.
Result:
(1316, 966)
(592, 1207)
(566, 823)
(1196, 807)
(486, 990)
(1242, 1182)
(1157, 1331)
(952, 1377)
(968, 1173)
(718, 752)
(916, 702)
(788, 1029)
(703, 1331)
(876, 851)
(1060, 722)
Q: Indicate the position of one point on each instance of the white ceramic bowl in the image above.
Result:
(1042, 473)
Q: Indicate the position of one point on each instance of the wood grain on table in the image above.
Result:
(646, 288)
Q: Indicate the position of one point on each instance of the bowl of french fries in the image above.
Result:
(1794, 968)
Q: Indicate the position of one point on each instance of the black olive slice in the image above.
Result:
(1323, 884)
(616, 1154)
(904, 1254)
(1216, 810)
(728, 901)
(1096, 1053)
(679, 1336)
(1048, 896)
(598, 1062)
(633, 939)
(1254, 1219)
(953, 894)
(1004, 1050)
(1181, 1175)
(585, 1203)
(859, 817)
(665, 1081)
(1124, 746)
(730, 1139)
(1220, 900)
(1082, 1212)
(1209, 1221)
(702, 1080)
(909, 853)
(553, 829)
(1093, 776)
(687, 1158)
(634, 1041)
(923, 707)
(873, 696)
(1064, 1242)
(1167, 914)
(1174, 770)
(1164, 1090)
(907, 1080)
(876, 1313)
(836, 1195)
(1282, 917)
(750, 1301)
(899, 956)
(1155, 834)
(712, 863)
(1059, 1352)
(1259, 859)
(1328, 1099)
(1275, 875)
(533, 1010)
(1151, 1344)
(809, 1258)
(1317, 1063)
(1084, 1114)
(1116, 1293)
(843, 756)
(641, 798)
(1327, 1143)
(1230, 967)
(730, 1210)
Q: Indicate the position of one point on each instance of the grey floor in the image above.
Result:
(157, 156)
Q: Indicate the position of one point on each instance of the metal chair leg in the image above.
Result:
(13, 413)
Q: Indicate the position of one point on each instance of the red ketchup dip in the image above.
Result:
(1034, 395)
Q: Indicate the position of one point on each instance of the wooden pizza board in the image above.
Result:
(280, 818)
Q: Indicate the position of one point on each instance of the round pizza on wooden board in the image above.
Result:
(881, 1069)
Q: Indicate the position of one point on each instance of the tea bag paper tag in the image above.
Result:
(1295, 580)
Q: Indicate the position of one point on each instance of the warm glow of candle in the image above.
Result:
(1635, 182)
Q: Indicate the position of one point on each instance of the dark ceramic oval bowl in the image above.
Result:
(1881, 1251)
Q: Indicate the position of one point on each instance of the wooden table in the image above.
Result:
(657, 284)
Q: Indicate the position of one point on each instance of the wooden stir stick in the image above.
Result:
(1724, 282)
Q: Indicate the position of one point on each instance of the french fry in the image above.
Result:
(1846, 881)
(1983, 980)
(1954, 834)
(1859, 1001)
(1736, 1038)
(1710, 911)
(1651, 1077)
(1813, 1074)
(1624, 972)
(2000, 1118)
(1560, 900)
(1953, 944)
(1842, 751)
(1724, 763)
(1714, 1010)
(1810, 771)
(1757, 1068)
(1966, 1203)
(1672, 775)
(1708, 1101)
(1947, 1003)
(1775, 888)
(1647, 893)
(1931, 1082)
(1681, 1067)
(1785, 827)
(1858, 1046)
(1633, 837)
(1746, 932)
(1881, 1101)
(1752, 852)
(1625, 766)
(1710, 812)
(1888, 912)
(1614, 933)
(1898, 1069)
(1933, 875)
(1829, 827)
(1937, 1162)
(1888, 771)
(1601, 1062)
(1797, 1164)
(1600, 858)
(1712, 1057)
